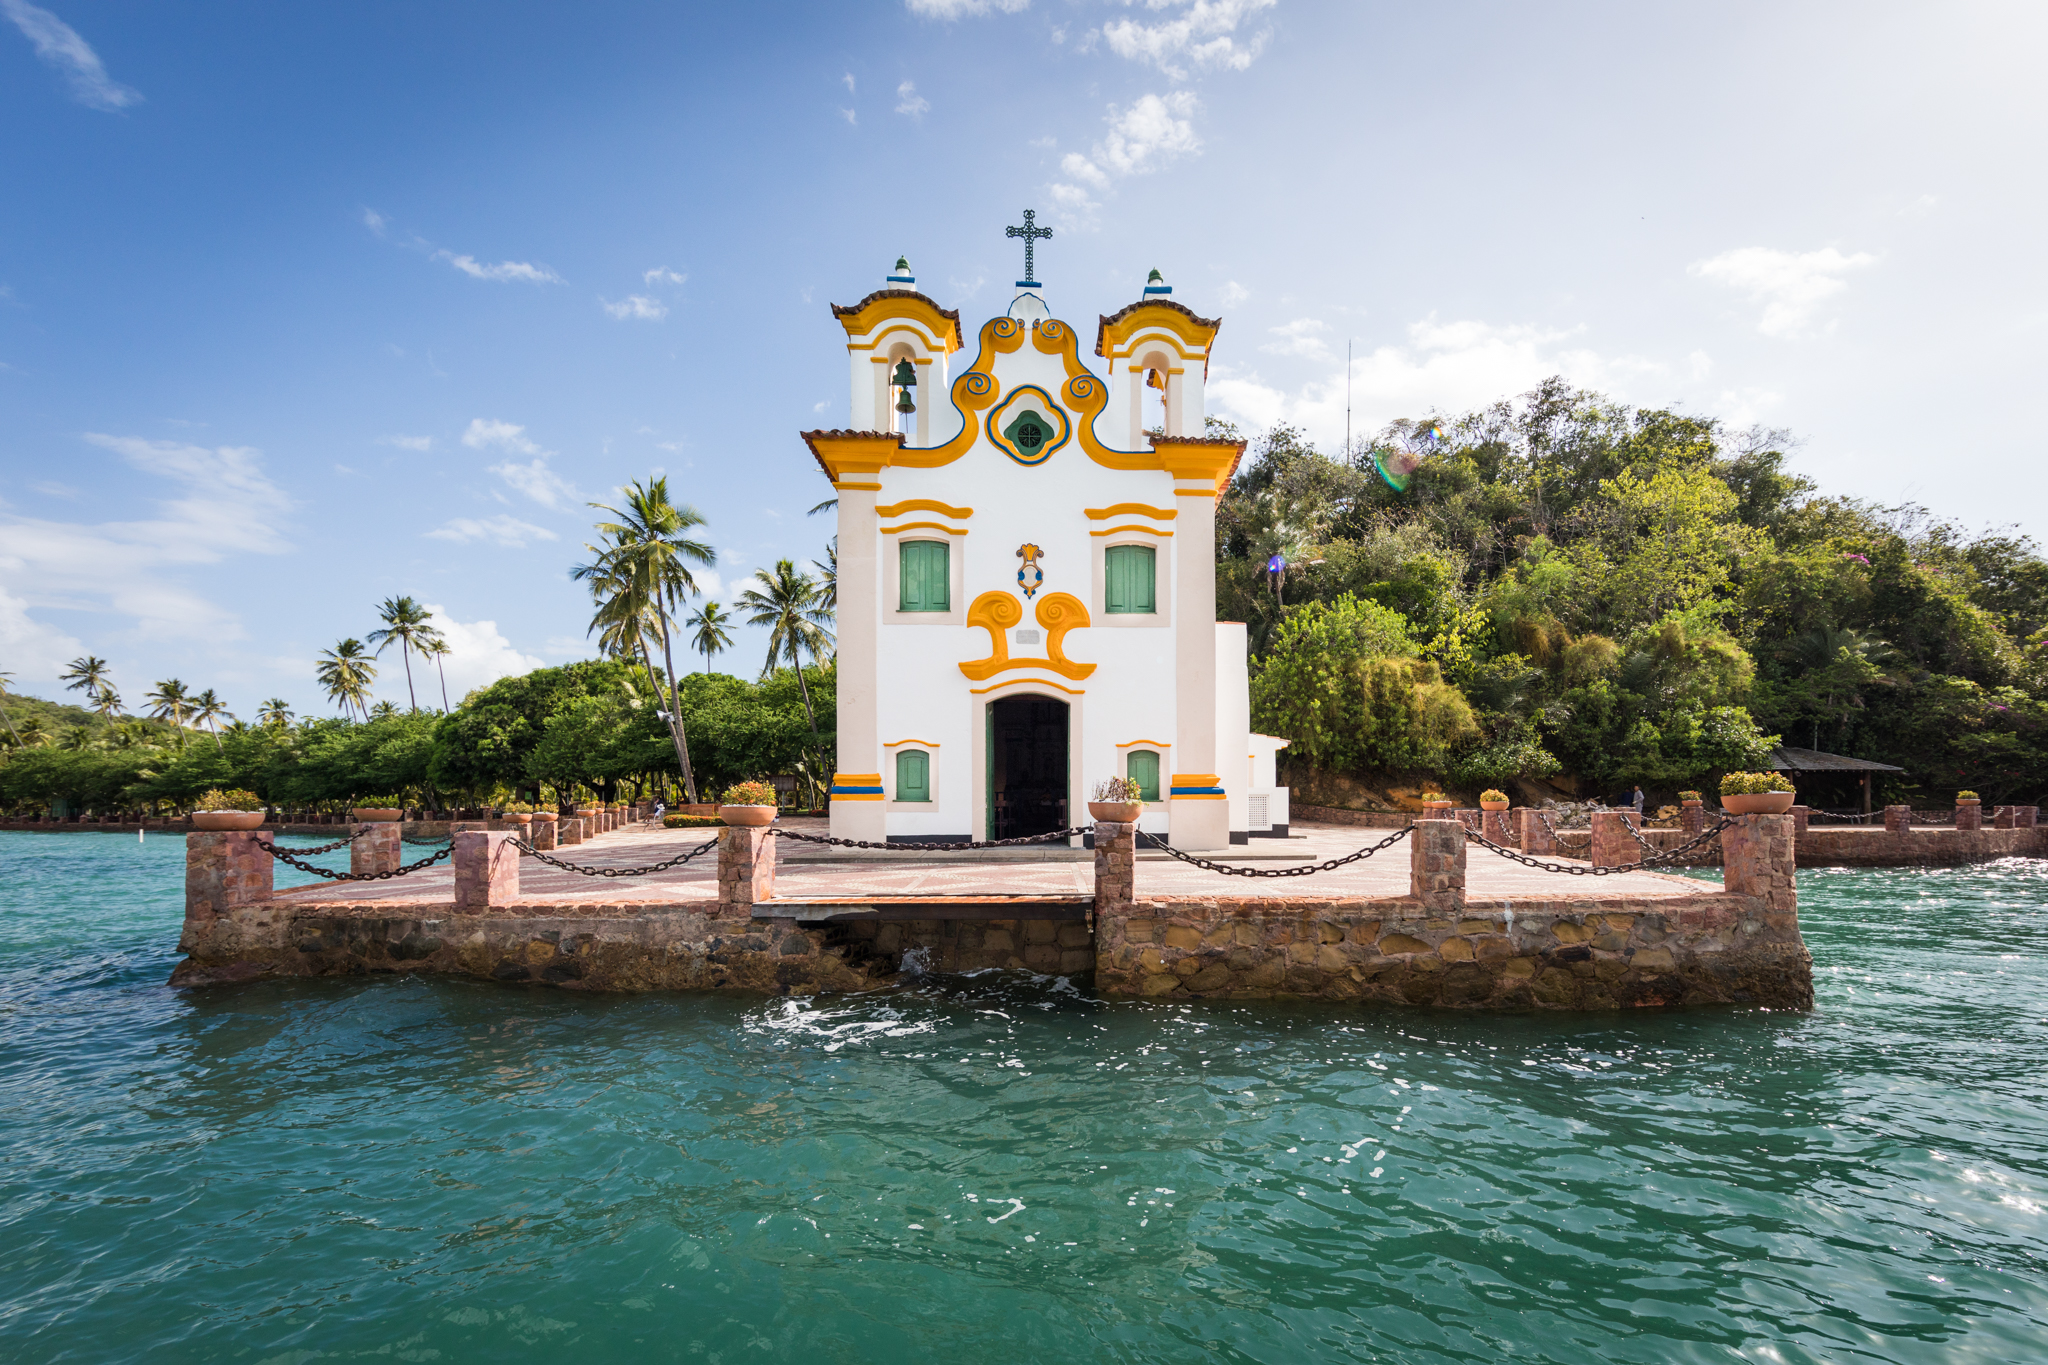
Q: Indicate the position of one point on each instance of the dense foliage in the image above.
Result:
(1572, 587)
(550, 736)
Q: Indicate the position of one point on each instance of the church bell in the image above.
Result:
(905, 380)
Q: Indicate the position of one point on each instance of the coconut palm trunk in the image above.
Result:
(675, 711)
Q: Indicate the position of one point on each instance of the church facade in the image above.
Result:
(1027, 591)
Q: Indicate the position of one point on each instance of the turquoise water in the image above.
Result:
(984, 1169)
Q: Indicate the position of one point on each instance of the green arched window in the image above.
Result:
(923, 577)
(1142, 767)
(913, 775)
(1128, 571)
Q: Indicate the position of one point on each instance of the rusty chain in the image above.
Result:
(530, 851)
(286, 857)
(931, 847)
(329, 848)
(1332, 865)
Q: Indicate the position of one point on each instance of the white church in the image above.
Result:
(1027, 576)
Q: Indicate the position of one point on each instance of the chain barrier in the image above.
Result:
(428, 843)
(1055, 836)
(286, 857)
(1557, 837)
(1587, 870)
(530, 851)
(329, 848)
(1207, 866)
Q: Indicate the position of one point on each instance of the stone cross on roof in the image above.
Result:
(1027, 232)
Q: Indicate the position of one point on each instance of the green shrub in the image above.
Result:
(1115, 789)
(749, 794)
(1754, 784)
(1490, 794)
(1688, 796)
(1966, 796)
(234, 798)
(691, 822)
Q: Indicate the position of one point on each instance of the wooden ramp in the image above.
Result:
(917, 909)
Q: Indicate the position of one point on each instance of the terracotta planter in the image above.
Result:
(375, 814)
(1438, 810)
(546, 817)
(1118, 812)
(519, 819)
(747, 815)
(1493, 805)
(1758, 803)
(227, 819)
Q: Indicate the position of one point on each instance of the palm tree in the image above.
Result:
(6, 678)
(406, 622)
(86, 674)
(169, 702)
(346, 672)
(275, 712)
(436, 647)
(828, 577)
(207, 709)
(638, 579)
(790, 604)
(383, 710)
(106, 702)
(709, 635)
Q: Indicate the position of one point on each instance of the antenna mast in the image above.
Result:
(1347, 402)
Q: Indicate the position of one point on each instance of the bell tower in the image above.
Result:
(897, 343)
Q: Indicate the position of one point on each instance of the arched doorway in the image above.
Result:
(1027, 766)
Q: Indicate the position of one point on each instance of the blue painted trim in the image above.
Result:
(856, 791)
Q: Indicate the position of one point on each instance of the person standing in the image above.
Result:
(1637, 801)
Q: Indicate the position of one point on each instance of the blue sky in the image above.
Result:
(303, 306)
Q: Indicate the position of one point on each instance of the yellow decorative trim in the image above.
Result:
(923, 526)
(923, 743)
(1018, 400)
(974, 392)
(840, 453)
(1120, 509)
(1196, 779)
(856, 779)
(1153, 743)
(866, 316)
(1028, 682)
(996, 612)
(1204, 796)
(1114, 338)
(1087, 395)
(923, 505)
(1119, 530)
(857, 487)
(1195, 457)
(1194, 492)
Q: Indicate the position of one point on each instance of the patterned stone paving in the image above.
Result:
(1488, 876)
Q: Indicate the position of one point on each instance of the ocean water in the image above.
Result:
(988, 1169)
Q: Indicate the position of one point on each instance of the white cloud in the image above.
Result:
(1301, 337)
(1156, 130)
(59, 45)
(636, 306)
(1446, 366)
(487, 432)
(959, 9)
(661, 274)
(503, 270)
(908, 101)
(224, 505)
(1232, 293)
(538, 482)
(419, 443)
(375, 221)
(1202, 36)
(849, 116)
(33, 649)
(1790, 285)
(507, 531)
(848, 78)
(478, 654)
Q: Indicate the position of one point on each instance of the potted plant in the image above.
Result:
(377, 809)
(748, 803)
(1492, 799)
(1435, 804)
(518, 813)
(1115, 799)
(231, 809)
(1756, 794)
(1967, 798)
(1689, 799)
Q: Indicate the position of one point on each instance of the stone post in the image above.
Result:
(223, 870)
(1436, 866)
(1969, 815)
(1799, 814)
(2024, 817)
(486, 871)
(377, 850)
(572, 829)
(543, 837)
(1757, 859)
(1498, 825)
(1536, 839)
(1692, 818)
(1612, 844)
(1116, 868)
(1898, 819)
(746, 869)
(2003, 819)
